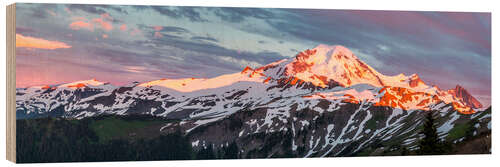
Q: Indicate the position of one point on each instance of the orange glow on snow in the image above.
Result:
(32, 42)
(79, 85)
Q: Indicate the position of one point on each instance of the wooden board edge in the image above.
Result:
(11, 82)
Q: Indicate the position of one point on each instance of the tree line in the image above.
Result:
(61, 140)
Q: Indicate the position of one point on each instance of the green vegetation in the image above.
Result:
(112, 127)
(107, 138)
(430, 144)
(458, 131)
(377, 117)
(61, 140)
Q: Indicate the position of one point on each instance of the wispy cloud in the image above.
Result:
(38, 43)
(77, 25)
(104, 22)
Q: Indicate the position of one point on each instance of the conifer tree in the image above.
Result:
(430, 144)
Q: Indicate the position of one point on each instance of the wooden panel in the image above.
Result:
(11, 82)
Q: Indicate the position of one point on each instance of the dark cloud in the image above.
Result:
(140, 7)
(24, 30)
(164, 35)
(213, 49)
(167, 29)
(164, 10)
(238, 15)
(178, 12)
(204, 38)
(174, 29)
(86, 8)
(113, 7)
(39, 13)
(97, 9)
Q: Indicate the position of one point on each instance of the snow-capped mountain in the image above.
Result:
(460, 93)
(325, 99)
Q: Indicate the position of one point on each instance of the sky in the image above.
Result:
(61, 43)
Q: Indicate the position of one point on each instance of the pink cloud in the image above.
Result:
(77, 25)
(123, 27)
(79, 18)
(135, 32)
(106, 16)
(103, 24)
(158, 28)
(158, 35)
(38, 43)
(391, 20)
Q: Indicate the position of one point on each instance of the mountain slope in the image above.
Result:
(460, 93)
(326, 101)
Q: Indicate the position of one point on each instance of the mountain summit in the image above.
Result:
(467, 98)
(330, 66)
(337, 63)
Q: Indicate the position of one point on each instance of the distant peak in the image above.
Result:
(247, 68)
(460, 93)
(458, 87)
(83, 83)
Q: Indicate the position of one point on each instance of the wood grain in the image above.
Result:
(11, 83)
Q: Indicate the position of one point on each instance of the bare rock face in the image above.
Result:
(415, 81)
(467, 98)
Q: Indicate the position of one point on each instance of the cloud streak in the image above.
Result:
(38, 43)
(77, 25)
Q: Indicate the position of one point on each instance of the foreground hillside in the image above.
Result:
(134, 138)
